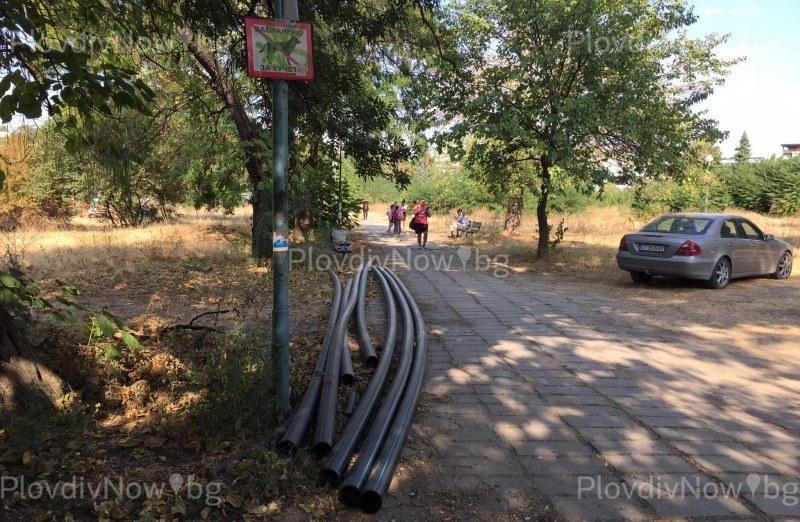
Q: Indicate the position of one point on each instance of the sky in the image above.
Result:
(761, 95)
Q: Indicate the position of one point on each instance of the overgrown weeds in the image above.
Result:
(35, 423)
(240, 398)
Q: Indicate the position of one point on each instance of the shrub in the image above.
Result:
(240, 396)
(771, 186)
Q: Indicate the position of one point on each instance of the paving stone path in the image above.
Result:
(536, 394)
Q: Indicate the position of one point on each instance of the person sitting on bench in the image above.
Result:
(461, 223)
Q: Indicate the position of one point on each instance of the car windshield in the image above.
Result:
(693, 226)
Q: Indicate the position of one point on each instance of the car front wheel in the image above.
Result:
(721, 275)
(641, 277)
(784, 268)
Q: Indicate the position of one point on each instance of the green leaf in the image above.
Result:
(112, 353)
(9, 281)
(116, 320)
(64, 319)
(106, 327)
(5, 83)
(7, 106)
(41, 303)
(123, 99)
(63, 301)
(30, 105)
(68, 288)
(8, 299)
(130, 340)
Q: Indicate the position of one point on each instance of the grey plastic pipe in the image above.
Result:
(340, 456)
(367, 350)
(326, 413)
(357, 475)
(299, 420)
(352, 399)
(381, 476)
(346, 375)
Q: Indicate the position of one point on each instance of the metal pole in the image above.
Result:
(280, 236)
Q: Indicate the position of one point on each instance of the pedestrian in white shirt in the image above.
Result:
(460, 223)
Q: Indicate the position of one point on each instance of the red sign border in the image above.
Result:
(251, 21)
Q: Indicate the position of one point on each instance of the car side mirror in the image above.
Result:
(769, 237)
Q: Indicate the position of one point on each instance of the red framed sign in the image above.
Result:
(279, 49)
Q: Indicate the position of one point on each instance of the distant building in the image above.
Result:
(790, 150)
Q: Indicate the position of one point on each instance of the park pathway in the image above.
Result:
(542, 399)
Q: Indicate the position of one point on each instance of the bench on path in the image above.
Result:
(473, 228)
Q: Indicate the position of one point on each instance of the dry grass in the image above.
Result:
(186, 237)
(122, 266)
(184, 401)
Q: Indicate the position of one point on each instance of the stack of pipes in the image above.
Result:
(382, 418)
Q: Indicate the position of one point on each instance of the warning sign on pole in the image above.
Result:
(279, 49)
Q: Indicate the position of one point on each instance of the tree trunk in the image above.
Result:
(514, 209)
(543, 247)
(261, 241)
(248, 130)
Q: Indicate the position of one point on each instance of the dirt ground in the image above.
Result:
(188, 399)
(185, 401)
(165, 415)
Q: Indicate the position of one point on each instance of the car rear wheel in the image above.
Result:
(784, 268)
(721, 275)
(641, 277)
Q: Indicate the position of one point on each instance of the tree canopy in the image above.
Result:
(95, 59)
(532, 96)
(599, 91)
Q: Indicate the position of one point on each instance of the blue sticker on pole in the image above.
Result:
(279, 243)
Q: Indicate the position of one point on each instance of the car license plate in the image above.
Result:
(646, 247)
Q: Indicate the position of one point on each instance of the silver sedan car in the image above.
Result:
(711, 247)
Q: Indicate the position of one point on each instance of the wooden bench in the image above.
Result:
(473, 228)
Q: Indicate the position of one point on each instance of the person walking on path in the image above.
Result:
(365, 209)
(405, 213)
(399, 217)
(390, 215)
(420, 223)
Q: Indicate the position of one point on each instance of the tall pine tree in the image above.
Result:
(742, 153)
